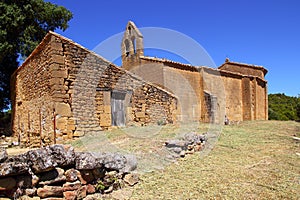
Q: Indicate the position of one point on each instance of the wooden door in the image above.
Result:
(118, 108)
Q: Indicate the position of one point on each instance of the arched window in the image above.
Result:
(129, 29)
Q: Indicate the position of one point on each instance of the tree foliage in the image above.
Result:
(23, 24)
(282, 107)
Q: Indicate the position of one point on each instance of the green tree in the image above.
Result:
(298, 107)
(282, 107)
(23, 24)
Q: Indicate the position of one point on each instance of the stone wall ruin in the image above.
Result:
(63, 91)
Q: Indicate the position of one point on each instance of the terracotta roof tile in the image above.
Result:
(265, 71)
(174, 63)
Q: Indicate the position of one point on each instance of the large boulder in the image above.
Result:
(13, 168)
(49, 157)
(130, 165)
(111, 161)
(3, 154)
(21, 158)
(119, 162)
(63, 155)
(114, 161)
(38, 160)
(85, 161)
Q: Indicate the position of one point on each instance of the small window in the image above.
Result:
(126, 47)
(134, 45)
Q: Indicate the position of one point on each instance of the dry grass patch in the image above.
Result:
(253, 160)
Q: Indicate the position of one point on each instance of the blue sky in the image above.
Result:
(261, 32)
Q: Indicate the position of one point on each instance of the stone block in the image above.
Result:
(107, 109)
(106, 97)
(131, 179)
(63, 109)
(71, 186)
(86, 176)
(105, 119)
(144, 107)
(30, 191)
(70, 195)
(58, 59)
(50, 191)
(59, 97)
(65, 137)
(71, 121)
(71, 175)
(56, 46)
(70, 91)
(56, 81)
(142, 101)
(71, 127)
(90, 189)
(78, 133)
(70, 134)
(81, 193)
(140, 114)
(59, 74)
(100, 107)
(61, 123)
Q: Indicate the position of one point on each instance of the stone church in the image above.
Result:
(64, 90)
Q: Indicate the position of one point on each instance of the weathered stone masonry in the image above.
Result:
(63, 91)
(235, 90)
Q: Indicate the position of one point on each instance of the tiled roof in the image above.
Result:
(265, 71)
(198, 68)
(173, 63)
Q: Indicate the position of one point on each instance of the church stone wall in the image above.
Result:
(186, 86)
(261, 100)
(213, 108)
(150, 72)
(233, 94)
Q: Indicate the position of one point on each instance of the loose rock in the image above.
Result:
(71, 186)
(71, 175)
(50, 191)
(131, 179)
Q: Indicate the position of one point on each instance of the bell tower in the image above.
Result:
(132, 46)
